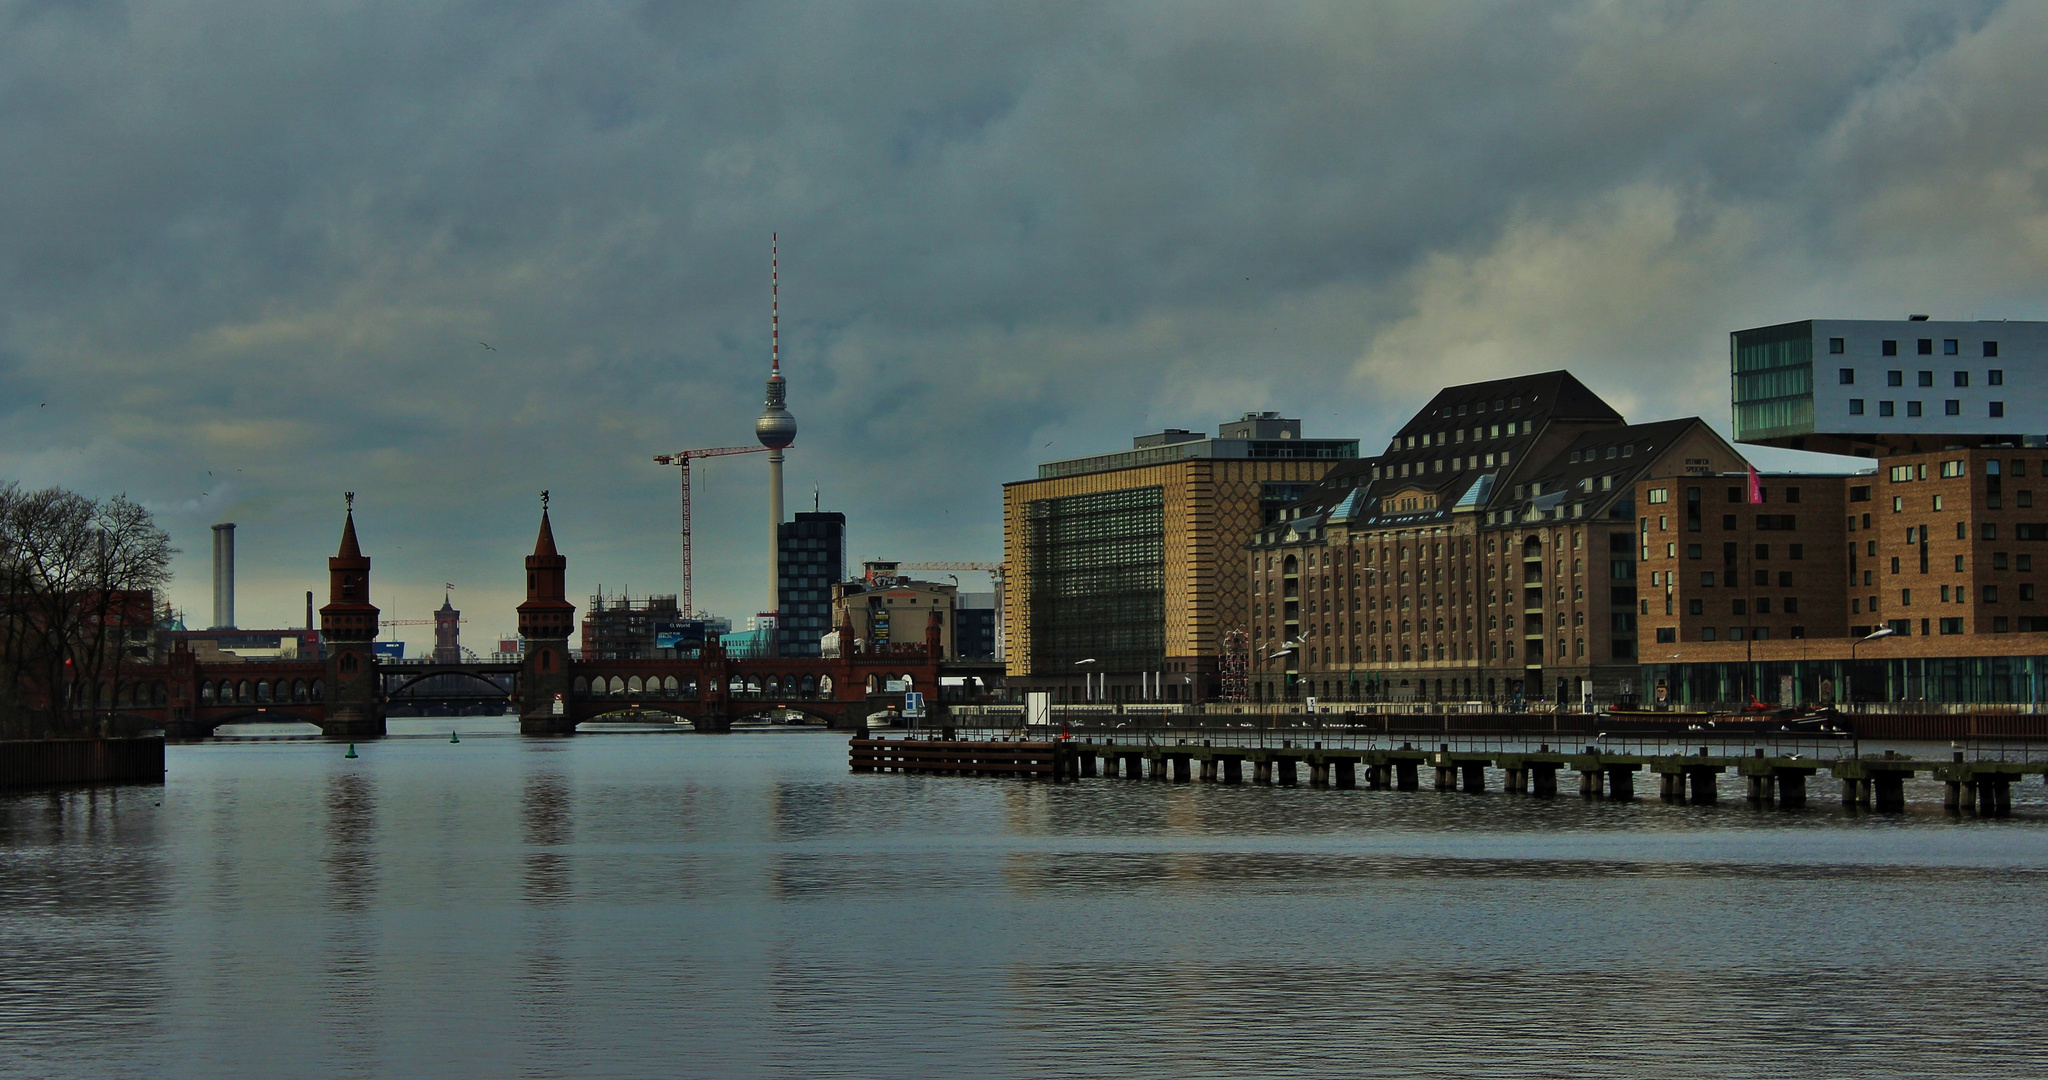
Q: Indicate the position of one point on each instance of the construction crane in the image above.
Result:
(994, 570)
(681, 459)
(412, 622)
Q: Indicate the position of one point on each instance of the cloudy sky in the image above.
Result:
(248, 250)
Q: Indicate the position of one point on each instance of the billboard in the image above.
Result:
(389, 650)
(686, 634)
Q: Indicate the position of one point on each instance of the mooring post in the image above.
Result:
(1704, 782)
(1475, 777)
(1791, 789)
(1318, 773)
(1262, 771)
(1545, 783)
(1233, 770)
(1889, 791)
(1286, 772)
(1182, 767)
(1952, 798)
(1621, 783)
(1347, 773)
(1589, 783)
(1404, 776)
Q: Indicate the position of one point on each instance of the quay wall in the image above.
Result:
(28, 763)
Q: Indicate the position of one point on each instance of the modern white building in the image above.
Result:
(1872, 387)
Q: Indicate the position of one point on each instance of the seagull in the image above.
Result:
(488, 345)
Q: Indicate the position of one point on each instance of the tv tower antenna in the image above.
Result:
(776, 430)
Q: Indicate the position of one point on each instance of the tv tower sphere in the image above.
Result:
(776, 428)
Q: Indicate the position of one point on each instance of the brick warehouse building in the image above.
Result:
(1933, 543)
(1490, 551)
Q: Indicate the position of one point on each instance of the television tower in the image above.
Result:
(776, 429)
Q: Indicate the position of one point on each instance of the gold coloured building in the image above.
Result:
(1125, 568)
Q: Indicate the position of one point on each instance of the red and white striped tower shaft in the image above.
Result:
(776, 430)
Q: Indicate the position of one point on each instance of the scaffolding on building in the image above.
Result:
(1235, 665)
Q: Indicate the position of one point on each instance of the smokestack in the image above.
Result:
(309, 610)
(224, 576)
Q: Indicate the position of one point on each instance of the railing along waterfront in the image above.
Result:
(1774, 766)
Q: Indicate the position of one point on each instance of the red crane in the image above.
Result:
(682, 460)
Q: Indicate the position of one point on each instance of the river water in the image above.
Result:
(678, 905)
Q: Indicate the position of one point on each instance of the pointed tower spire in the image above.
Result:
(349, 615)
(547, 614)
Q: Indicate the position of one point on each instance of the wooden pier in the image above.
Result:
(1875, 782)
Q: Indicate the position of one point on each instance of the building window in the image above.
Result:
(1856, 406)
(1951, 626)
(1890, 348)
(1895, 378)
(1905, 595)
(1912, 408)
(1991, 594)
(1847, 376)
(1926, 378)
(1925, 347)
(1998, 409)
(1885, 408)
(1837, 346)
(1706, 633)
(1962, 378)
(1952, 407)
(1995, 377)
(1667, 635)
(1948, 346)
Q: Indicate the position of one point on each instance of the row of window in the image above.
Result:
(1950, 407)
(1437, 465)
(1667, 635)
(1923, 346)
(1992, 377)
(1729, 551)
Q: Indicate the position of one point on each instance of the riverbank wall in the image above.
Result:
(30, 763)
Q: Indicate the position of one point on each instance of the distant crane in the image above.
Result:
(995, 572)
(681, 459)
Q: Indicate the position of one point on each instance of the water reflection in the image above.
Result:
(352, 957)
(546, 982)
(643, 906)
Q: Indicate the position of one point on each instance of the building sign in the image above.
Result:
(685, 634)
(388, 650)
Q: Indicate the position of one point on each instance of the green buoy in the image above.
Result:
(452, 737)
(351, 751)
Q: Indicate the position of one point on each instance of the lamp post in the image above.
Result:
(1848, 679)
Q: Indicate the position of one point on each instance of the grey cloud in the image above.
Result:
(269, 237)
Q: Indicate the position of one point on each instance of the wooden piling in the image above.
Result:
(1544, 783)
(1475, 776)
(1347, 772)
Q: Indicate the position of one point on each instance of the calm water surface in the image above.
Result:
(661, 905)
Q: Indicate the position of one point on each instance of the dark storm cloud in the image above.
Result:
(269, 238)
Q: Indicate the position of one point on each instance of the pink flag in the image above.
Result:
(1756, 486)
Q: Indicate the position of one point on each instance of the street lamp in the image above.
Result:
(1087, 682)
(1848, 679)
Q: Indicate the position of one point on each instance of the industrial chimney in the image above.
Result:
(224, 576)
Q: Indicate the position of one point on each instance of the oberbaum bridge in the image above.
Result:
(345, 694)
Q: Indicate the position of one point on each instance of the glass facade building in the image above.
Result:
(1098, 580)
(810, 556)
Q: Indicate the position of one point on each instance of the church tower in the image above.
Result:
(348, 624)
(545, 621)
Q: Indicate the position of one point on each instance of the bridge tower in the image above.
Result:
(545, 620)
(348, 624)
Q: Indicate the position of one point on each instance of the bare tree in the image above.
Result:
(79, 579)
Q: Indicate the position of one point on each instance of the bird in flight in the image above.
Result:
(488, 345)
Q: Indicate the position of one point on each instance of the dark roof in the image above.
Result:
(1593, 476)
(1464, 436)
(1551, 395)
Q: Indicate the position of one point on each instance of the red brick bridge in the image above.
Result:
(347, 694)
